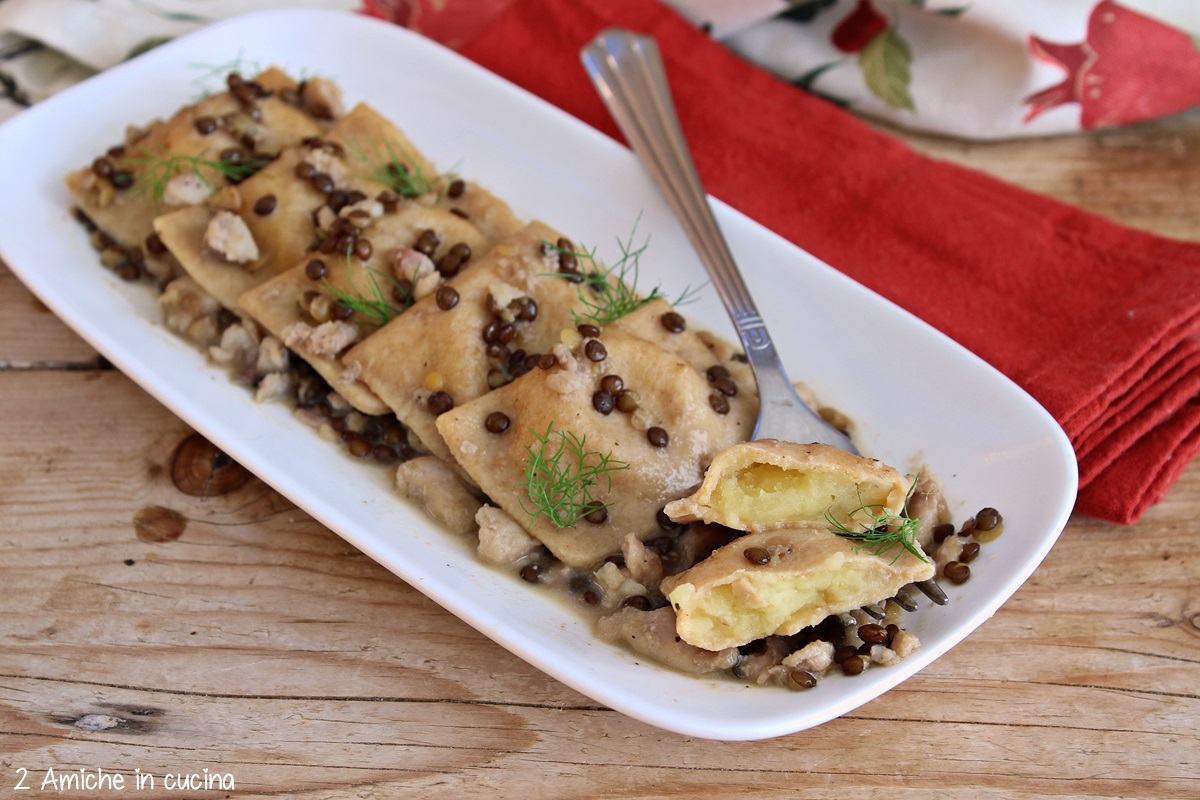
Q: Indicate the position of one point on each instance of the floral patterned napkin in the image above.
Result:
(976, 68)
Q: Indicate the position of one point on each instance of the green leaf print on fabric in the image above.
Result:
(174, 16)
(885, 65)
(146, 44)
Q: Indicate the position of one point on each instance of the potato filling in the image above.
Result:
(728, 600)
(766, 495)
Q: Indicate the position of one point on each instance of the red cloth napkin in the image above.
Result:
(1096, 321)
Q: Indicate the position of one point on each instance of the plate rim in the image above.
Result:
(675, 719)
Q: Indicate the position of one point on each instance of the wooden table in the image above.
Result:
(240, 637)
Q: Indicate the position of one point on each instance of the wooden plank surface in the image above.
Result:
(145, 630)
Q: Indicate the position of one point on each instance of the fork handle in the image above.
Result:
(628, 72)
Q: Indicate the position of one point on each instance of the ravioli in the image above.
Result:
(430, 349)
(282, 304)
(127, 214)
(671, 395)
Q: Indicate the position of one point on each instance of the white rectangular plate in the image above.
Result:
(916, 396)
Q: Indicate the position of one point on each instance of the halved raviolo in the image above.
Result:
(730, 598)
(768, 484)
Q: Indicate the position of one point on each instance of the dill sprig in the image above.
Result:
(560, 473)
(383, 162)
(609, 293)
(882, 532)
(157, 170)
(374, 303)
(211, 72)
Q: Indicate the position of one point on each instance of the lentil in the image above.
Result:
(943, 532)
(989, 524)
(598, 516)
(527, 309)
(427, 242)
(454, 259)
(304, 170)
(205, 125)
(155, 246)
(726, 386)
(719, 403)
(628, 401)
(844, 652)
(657, 437)
(447, 297)
(800, 679)
(757, 555)
(854, 665)
(439, 403)
(603, 402)
(341, 310)
(956, 572)
(566, 256)
(595, 351)
(673, 322)
(612, 384)
(969, 552)
(587, 330)
(122, 179)
(531, 573)
(872, 633)
(715, 373)
(103, 167)
(322, 182)
(546, 361)
(638, 601)
(456, 188)
(265, 205)
(389, 200)
(497, 422)
(402, 291)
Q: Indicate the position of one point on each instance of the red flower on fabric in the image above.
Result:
(858, 28)
(1128, 68)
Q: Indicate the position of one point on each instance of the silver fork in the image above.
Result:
(627, 71)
